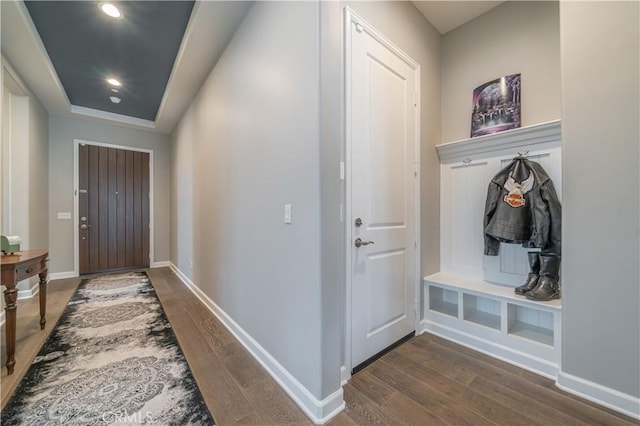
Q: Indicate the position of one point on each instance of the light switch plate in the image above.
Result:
(287, 214)
(64, 215)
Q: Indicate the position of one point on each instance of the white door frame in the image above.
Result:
(76, 204)
(351, 17)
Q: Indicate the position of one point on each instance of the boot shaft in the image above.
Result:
(534, 271)
(534, 262)
(550, 266)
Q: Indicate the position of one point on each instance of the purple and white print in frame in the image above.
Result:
(496, 106)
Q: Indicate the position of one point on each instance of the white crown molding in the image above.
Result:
(13, 81)
(110, 116)
(23, 48)
(319, 411)
(214, 22)
(523, 138)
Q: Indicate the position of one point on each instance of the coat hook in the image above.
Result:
(466, 161)
(523, 153)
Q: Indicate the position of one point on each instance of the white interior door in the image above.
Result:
(383, 131)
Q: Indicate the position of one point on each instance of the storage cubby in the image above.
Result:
(443, 301)
(494, 320)
(481, 310)
(531, 324)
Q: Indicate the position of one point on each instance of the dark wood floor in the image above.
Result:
(426, 381)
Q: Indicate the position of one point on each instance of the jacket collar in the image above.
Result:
(532, 167)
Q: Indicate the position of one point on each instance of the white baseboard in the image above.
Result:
(602, 395)
(62, 275)
(344, 375)
(162, 264)
(496, 350)
(319, 411)
(30, 292)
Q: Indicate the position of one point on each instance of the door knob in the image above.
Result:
(358, 222)
(358, 242)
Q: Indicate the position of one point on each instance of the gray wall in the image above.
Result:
(15, 166)
(182, 177)
(221, 181)
(38, 160)
(250, 144)
(332, 232)
(601, 183)
(406, 27)
(25, 157)
(63, 131)
(515, 37)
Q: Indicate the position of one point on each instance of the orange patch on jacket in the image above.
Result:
(514, 199)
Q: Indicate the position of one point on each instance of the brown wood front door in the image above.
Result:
(113, 209)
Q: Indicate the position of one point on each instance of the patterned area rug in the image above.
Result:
(111, 359)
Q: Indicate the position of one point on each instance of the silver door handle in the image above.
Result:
(84, 226)
(358, 242)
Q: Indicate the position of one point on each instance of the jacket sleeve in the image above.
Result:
(554, 236)
(491, 244)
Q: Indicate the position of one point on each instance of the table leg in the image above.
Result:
(10, 297)
(43, 298)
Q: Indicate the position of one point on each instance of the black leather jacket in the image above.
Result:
(522, 207)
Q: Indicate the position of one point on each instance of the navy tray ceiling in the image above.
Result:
(86, 46)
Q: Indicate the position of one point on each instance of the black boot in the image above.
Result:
(532, 279)
(548, 287)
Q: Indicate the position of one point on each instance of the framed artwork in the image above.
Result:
(496, 106)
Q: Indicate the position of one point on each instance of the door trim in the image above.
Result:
(76, 204)
(351, 17)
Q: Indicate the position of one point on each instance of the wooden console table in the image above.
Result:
(15, 268)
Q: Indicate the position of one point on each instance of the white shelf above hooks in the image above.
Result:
(515, 142)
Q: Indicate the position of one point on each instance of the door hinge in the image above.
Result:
(415, 99)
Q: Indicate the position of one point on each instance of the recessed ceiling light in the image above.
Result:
(115, 99)
(114, 82)
(110, 10)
